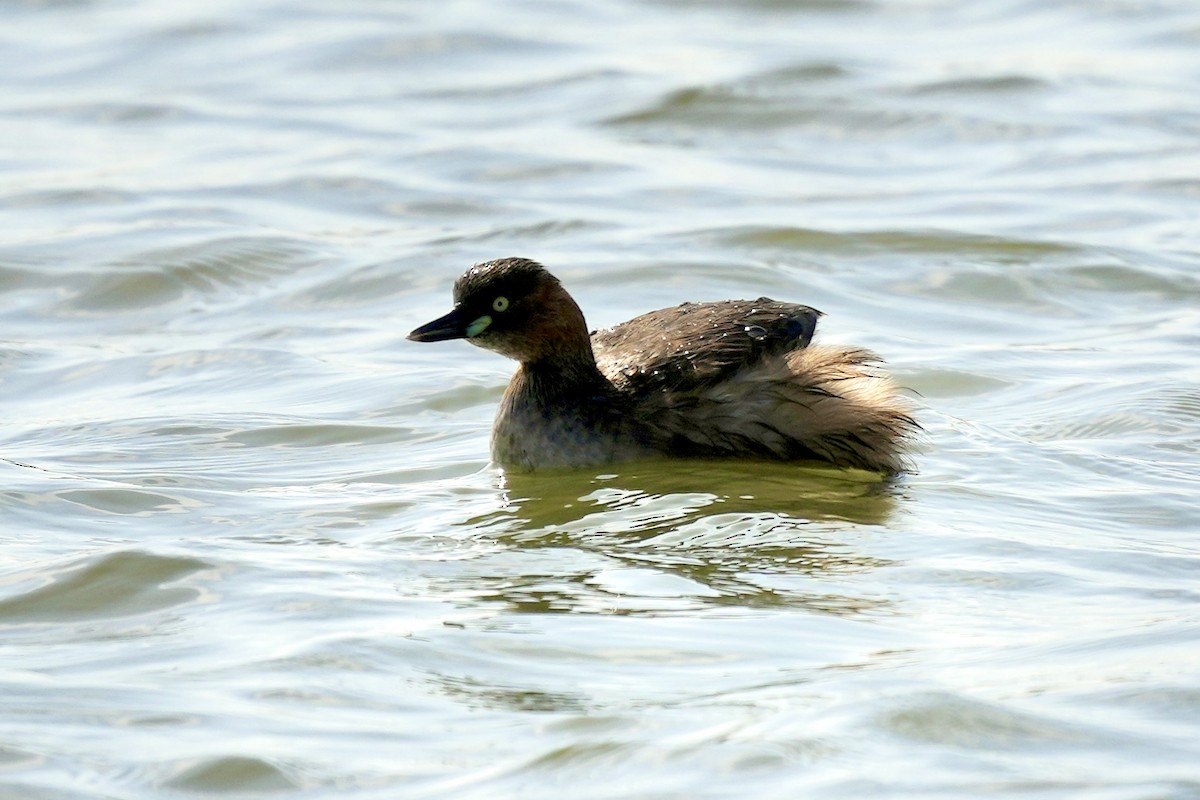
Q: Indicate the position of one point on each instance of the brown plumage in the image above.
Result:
(736, 378)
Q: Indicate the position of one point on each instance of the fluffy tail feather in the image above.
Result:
(825, 402)
(844, 408)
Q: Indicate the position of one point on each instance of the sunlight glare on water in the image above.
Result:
(253, 542)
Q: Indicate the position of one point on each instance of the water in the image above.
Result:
(252, 542)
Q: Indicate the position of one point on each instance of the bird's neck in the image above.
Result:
(563, 355)
(564, 373)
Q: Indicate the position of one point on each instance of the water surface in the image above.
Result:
(253, 544)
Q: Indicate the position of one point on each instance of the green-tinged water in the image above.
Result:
(252, 544)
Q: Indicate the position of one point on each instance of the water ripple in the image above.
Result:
(109, 586)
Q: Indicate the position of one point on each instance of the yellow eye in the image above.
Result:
(500, 304)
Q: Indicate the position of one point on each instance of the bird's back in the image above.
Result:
(694, 345)
(739, 378)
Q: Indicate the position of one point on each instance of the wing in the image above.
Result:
(695, 345)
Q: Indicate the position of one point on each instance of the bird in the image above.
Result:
(727, 379)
